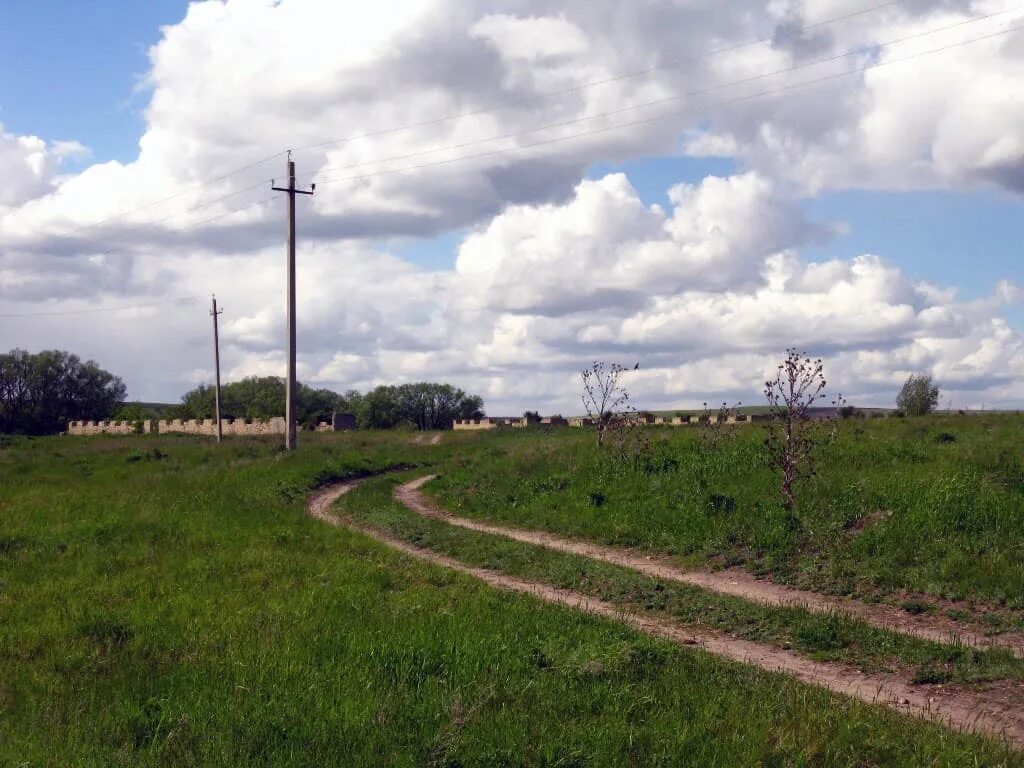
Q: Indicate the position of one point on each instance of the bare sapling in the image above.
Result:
(841, 411)
(799, 383)
(717, 426)
(605, 400)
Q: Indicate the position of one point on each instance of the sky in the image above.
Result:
(507, 191)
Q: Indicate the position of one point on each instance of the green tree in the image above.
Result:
(380, 409)
(918, 396)
(423, 405)
(134, 412)
(418, 406)
(41, 393)
(261, 397)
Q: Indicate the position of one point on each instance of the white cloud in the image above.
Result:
(29, 166)
(918, 119)
(555, 271)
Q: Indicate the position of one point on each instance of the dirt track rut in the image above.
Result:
(729, 582)
(957, 709)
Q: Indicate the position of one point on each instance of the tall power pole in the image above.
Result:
(216, 364)
(289, 387)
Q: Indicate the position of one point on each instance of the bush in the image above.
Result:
(918, 396)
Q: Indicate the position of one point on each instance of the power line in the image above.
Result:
(94, 310)
(178, 301)
(259, 184)
(594, 83)
(677, 113)
(669, 99)
(263, 201)
(192, 185)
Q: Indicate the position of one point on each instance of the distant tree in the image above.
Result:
(41, 393)
(134, 412)
(532, 417)
(418, 406)
(918, 396)
(380, 409)
(261, 398)
(422, 405)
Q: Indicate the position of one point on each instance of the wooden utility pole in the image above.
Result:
(289, 386)
(216, 365)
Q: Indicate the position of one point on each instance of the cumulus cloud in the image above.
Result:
(888, 127)
(29, 166)
(554, 271)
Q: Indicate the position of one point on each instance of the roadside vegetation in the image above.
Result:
(931, 506)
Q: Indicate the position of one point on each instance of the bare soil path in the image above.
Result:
(732, 582)
(961, 710)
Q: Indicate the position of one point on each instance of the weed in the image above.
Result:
(719, 504)
(931, 674)
(916, 607)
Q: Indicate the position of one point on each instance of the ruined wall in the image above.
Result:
(555, 421)
(272, 426)
(340, 422)
(107, 427)
(489, 423)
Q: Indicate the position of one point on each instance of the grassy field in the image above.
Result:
(933, 506)
(165, 601)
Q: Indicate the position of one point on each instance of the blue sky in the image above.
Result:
(71, 69)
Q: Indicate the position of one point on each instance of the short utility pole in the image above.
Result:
(216, 364)
(289, 387)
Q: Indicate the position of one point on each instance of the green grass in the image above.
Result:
(820, 637)
(168, 602)
(932, 506)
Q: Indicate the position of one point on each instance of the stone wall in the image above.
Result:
(340, 422)
(107, 427)
(493, 422)
(580, 421)
(554, 421)
(644, 419)
(272, 426)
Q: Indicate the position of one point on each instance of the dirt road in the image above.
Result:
(961, 710)
(732, 582)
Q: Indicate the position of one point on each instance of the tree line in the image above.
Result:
(41, 393)
(422, 405)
